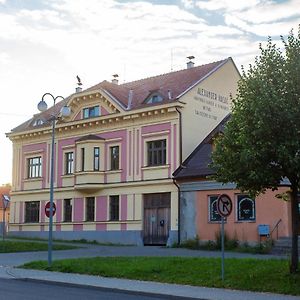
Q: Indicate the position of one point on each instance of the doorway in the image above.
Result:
(157, 209)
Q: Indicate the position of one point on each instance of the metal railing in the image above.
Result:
(275, 228)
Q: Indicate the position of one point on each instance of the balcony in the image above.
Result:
(89, 181)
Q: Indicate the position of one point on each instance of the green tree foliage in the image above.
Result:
(261, 142)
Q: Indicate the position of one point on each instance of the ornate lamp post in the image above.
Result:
(64, 112)
(5, 202)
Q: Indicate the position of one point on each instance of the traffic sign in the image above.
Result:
(224, 205)
(47, 209)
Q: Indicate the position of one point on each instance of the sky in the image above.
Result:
(44, 44)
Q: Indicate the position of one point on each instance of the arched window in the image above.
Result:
(213, 212)
(246, 208)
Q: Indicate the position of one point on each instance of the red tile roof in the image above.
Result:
(177, 83)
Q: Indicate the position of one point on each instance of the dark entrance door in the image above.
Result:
(157, 209)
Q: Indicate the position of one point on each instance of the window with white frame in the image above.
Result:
(69, 163)
(90, 209)
(67, 210)
(156, 152)
(213, 212)
(90, 112)
(32, 212)
(34, 167)
(82, 167)
(114, 206)
(245, 208)
(115, 158)
(96, 158)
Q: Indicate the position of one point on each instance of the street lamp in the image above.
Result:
(5, 202)
(64, 112)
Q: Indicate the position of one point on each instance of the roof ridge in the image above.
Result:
(163, 74)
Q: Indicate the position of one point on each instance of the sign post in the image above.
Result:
(224, 208)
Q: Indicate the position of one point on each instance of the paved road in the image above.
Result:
(29, 290)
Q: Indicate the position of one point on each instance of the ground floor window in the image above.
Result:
(90, 209)
(32, 212)
(245, 208)
(213, 212)
(67, 210)
(114, 205)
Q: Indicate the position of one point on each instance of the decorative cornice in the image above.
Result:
(107, 120)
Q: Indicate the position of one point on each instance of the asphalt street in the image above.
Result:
(12, 289)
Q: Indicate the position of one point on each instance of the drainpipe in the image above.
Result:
(180, 162)
(178, 218)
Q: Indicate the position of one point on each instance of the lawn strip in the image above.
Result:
(18, 246)
(242, 274)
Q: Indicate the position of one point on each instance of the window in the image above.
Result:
(82, 159)
(114, 158)
(34, 167)
(90, 209)
(96, 158)
(90, 112)
(154, 99)
(32, 212)
(213, 212)
(246, 208)
(38, 122)
(67, 210)
(156, 153)
(114, 208)
(69, 163)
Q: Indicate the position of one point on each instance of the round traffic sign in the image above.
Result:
(224, 205)
(47, 209)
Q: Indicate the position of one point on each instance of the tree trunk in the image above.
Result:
(295, 223)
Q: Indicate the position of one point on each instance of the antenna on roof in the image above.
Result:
(171, 59)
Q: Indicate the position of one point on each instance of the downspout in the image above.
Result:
(180, 162)
(178, 218)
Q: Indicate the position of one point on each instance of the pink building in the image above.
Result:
(115, 155)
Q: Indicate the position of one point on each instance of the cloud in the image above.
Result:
(43, 48)
(227, 5)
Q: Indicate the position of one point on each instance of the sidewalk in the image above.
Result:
(139, 286)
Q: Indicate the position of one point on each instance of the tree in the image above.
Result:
(261, 142)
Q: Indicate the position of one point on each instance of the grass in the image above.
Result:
(234, 245)
(242, 274)
(79, 241)
(17, 246)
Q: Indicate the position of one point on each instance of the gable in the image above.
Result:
(198, 162)
(89, 105)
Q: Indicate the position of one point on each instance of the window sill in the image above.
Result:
(216, 222)
(155, 167)
(33, 179)
(114, 171)
(245, 221)
(89, 172)
(67, 175)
